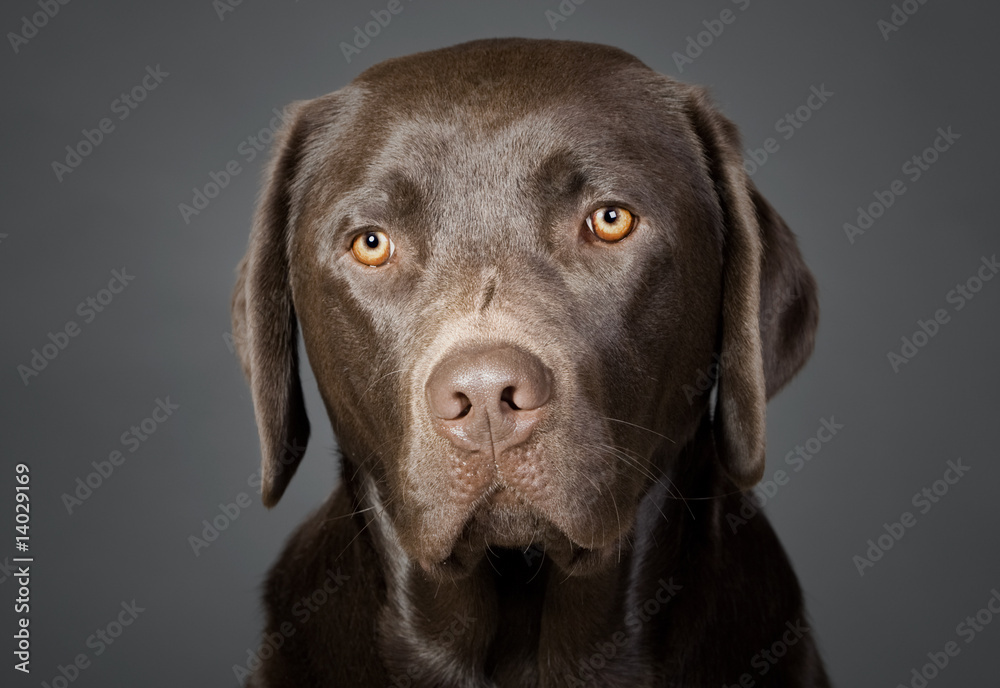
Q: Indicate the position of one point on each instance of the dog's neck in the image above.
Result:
(521, 620)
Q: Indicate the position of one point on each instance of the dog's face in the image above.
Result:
(511, 261)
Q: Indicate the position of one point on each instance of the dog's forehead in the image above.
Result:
(513, 71)
(514, 121)
(496, 89)
(447, 161)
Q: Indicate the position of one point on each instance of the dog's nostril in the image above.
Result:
(466, 405)
(508, 396)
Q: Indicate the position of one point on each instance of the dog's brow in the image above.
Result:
(560, 178)
(391, 197)
(403, 195)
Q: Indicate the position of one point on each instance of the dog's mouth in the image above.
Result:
(503, 520)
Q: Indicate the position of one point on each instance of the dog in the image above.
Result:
(531, 279)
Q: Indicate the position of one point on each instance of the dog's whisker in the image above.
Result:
(379, 379)
(353, 513)
(718, 496)
(356, 536)
(357, 512)
(633, 461)
(372, 453)
(619, 518)
(489, 550)
(679, 496)
(672, 490)
(368, 522)
(640, 427)
(670, 487)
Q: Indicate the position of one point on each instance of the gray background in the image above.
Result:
(164, 335)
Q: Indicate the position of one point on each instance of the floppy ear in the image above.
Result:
(769, 308)
(264, 325)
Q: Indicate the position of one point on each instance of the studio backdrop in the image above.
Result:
(135, 136)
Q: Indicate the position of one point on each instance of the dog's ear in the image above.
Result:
(769, 308)
(265, 328)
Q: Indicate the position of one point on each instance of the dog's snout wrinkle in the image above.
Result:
(487, 295)
(488, 398)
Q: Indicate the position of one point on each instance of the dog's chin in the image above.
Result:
(505, 522)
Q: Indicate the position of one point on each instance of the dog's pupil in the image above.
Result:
(610, 216)
(372, 240)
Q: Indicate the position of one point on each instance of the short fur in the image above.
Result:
(612, 563)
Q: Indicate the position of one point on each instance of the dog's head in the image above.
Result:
(516, 264)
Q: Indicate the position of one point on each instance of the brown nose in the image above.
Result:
(488, 397)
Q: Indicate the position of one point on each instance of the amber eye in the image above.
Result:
(611, 223)
(372, 248)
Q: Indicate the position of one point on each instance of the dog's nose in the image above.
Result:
(488, 396)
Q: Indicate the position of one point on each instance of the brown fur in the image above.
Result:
(481, 161)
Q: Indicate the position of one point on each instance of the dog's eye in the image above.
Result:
(611, 223)
(372, 248)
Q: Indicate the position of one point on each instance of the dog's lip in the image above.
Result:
(502, 516)
(479, 526)
(502, 495)
(571, 558)
(488, 526)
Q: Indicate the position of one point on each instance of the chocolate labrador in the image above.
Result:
(530, 277)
